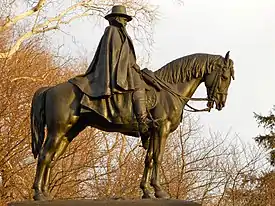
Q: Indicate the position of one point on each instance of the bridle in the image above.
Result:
(210, 93)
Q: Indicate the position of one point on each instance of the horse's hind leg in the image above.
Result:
(73, 131)
(44, 163)
(59, 151)
(39, 179)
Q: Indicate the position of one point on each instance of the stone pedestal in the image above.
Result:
(154, 202)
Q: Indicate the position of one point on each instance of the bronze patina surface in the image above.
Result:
(114, 95)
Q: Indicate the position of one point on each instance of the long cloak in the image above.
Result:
(113, 66)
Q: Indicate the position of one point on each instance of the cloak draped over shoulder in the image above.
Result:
(113, 69)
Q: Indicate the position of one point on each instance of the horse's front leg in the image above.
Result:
(158, 150)
(144, 184)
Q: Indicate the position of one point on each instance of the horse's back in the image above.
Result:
(39, 91)
(61, 88)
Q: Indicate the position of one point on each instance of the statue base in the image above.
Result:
(149, 202)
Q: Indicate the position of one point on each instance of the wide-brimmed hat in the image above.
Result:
(119, 10)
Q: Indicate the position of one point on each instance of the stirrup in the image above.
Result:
(143, 127)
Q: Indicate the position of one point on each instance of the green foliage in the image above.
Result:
(267, 140)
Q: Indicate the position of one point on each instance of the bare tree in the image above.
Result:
(20, 76)
(40, 17)
(204, 167)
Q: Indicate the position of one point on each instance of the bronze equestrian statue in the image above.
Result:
(114, 68)
(113, 97)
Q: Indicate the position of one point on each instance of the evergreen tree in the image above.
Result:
(267, 140)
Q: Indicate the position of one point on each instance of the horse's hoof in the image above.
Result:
(162, 194)
(148, 196)
(47, 195)
(41, 197)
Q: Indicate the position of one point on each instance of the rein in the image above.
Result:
(209, 99)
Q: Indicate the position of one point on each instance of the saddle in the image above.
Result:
(118, 108)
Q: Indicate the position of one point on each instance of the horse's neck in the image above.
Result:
(187, 89)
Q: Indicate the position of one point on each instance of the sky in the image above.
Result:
(246, 28)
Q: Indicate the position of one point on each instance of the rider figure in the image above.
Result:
(114, 68)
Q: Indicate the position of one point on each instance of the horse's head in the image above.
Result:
(217, 82)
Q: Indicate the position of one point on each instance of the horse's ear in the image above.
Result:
(226, 58)
(232, 74)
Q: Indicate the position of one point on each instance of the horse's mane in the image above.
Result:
(188, 67)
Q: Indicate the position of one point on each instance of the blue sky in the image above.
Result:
(245, 27)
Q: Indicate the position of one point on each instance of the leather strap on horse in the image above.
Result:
(163, 85)
(210, 95)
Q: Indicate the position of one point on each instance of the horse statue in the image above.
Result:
(66, 111)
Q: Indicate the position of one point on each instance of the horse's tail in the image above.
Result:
(38, 120)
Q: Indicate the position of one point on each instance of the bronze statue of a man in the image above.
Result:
(114, 68)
